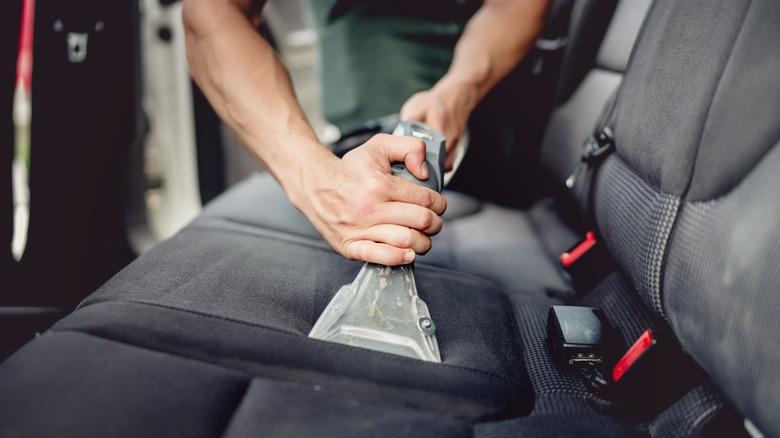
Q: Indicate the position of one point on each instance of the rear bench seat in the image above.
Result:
(205, 334)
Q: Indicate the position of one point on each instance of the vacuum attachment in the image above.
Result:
(381, 309)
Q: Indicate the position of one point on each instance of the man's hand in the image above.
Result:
(366, 213)
(446, 108)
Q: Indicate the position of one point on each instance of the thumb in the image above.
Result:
(409, 150)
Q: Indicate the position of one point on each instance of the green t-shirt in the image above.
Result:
(374, 54)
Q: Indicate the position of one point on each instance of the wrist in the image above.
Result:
(459, 96)
(311, 159)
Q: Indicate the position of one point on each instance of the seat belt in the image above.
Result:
(595, 149)
(588, 261)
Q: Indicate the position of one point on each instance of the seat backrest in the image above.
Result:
(686, 204)
(585, 93)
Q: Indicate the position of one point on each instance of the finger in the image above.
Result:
(412, 110)
(408, 216)
(380, 253)
(398, 236)
(411, 193)
(449, 160)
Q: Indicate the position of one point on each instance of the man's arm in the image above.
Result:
(359, 208)
(494, 41)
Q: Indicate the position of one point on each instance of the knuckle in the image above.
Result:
(380, 138)
(349, 251)
(402, 238)
(362, 209)
(377, 184)
(429, 200)
(425, 220)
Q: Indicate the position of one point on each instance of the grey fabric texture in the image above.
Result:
(547, 376)
(721, 290)
(77, 385)
(626, 312)
(561, 415)
(742, 120)
(623, 30)
(691, 415)
(261, 202)
(636, 221)
(501, 245)
(278, 409)
(665, 99)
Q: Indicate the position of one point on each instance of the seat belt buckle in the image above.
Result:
(579, 337)
(587, 262)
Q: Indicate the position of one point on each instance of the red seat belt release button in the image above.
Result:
(641, 345)
(568, 258)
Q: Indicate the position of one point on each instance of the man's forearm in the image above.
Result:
(361, 210)
(249, 88)
(496, 38)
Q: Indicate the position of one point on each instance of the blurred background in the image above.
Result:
(174, 152)
(111, 147)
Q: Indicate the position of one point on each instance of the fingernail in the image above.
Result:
(409, 257)
(424, 170)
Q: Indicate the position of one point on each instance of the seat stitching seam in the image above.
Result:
(489, 374)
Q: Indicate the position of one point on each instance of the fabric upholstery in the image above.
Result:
(280, 409)
(636, 221)
(673, 76)
(721, 290)
(253, 299)
(741, 122)
(74, 384)
(615, 50)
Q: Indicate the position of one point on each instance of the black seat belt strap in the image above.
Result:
(598, 146)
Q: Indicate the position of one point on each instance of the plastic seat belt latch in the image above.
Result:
(569, 257)
(587, 262)
(598, 147)
(636, 351)
(595, 149)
